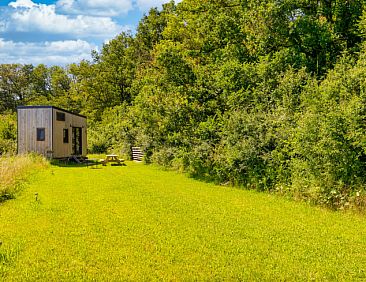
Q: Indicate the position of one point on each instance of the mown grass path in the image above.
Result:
(140, 223)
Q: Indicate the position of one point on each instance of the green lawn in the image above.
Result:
(137, 222)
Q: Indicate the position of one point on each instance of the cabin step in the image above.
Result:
(78, 159)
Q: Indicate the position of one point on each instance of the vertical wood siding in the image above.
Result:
(29, 119)
(28, 122)
(61, 149)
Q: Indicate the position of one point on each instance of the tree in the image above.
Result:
(14, 85)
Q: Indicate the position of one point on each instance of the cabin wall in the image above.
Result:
(60, 148)
(28, 122)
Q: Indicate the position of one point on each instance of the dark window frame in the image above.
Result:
(60, 116)
(65, 135)
(41, 134)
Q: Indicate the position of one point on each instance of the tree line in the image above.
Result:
(267, 95)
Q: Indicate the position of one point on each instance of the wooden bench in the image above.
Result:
(111, 159)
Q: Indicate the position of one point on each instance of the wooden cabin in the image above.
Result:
(51, 131)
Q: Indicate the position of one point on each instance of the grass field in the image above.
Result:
(139, 223)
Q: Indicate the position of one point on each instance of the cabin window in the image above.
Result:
(66, 135)
(41, 134)
(60, 116)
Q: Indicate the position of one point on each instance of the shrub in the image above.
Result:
(7, 147)
(7, 134)
(163, 157)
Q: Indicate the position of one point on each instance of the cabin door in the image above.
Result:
(77, 144)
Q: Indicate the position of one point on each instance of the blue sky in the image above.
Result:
(61, 32)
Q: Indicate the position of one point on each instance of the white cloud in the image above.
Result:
(61, 32)
(110, 8)
(49, 53)
(22, 4)
(29, 17)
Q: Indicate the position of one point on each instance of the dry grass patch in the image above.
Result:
(15, 170)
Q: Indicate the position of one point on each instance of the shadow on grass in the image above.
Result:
(71, 164)
(66, 164)
(207, 178)
(6, 197)
(92, 164)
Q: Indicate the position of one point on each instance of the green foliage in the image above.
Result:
(263, 94)
(113, 133)
(250, 113)
(150, 31)
(7, 134)
(14, 89)
(329, 139)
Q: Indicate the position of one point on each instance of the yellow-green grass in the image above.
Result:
(15, 170)
(140, 223)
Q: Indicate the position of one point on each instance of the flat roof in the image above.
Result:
(49, 107)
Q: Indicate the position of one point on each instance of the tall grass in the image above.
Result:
(15, 170)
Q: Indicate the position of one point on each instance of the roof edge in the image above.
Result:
(50, 107)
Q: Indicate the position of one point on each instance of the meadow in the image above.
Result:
(141, 223)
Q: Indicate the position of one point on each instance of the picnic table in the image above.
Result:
(112, 159)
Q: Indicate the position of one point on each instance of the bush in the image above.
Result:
(7, 134)
(328, 142)
(7, 147)
(113, 133)
(164, 156)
